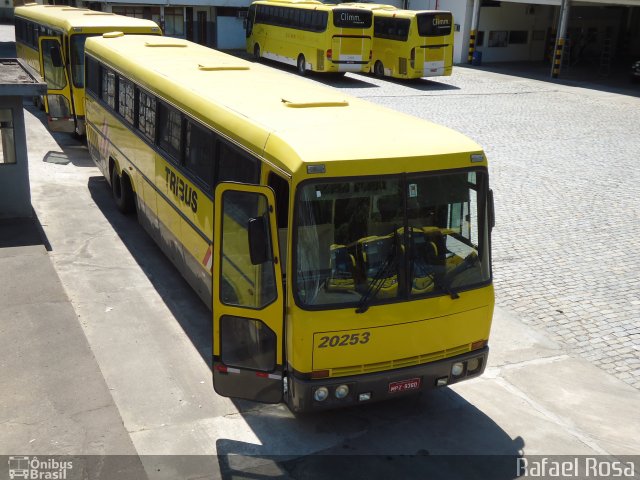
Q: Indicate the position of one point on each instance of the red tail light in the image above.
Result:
(329, 54)
(370, 54)
(413, 58)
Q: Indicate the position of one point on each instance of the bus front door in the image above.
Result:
(248, 304)
(58, 99)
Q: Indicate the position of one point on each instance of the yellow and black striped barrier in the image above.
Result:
(472, 45)
(557, 58)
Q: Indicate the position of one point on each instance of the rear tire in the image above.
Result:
(302, 65)
(256, 52)
(378, 69)
(122, 192)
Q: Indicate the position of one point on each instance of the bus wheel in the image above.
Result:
(378, 69)
(122, 192)
(256, 52)
(302, 65)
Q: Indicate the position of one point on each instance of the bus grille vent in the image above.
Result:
(320, 62)
(401, 362)
(402, 67)
(375, 367)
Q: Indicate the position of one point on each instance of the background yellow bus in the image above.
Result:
(311, 35)
(410, 43)
(246, 176)
(51, 40)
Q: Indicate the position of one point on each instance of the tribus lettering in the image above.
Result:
(181, 189)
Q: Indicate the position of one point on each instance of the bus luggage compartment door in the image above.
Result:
(248, 304)
(58, 98)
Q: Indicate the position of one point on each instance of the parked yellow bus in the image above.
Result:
(310, 35)
(344, 247)
(51, 41)
(410, 43)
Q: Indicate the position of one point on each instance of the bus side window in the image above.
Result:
(236, 166)
(92, 74)
(170, 131)
(126, 103)
(281, 189)
(108, 91)
(147, 114)
(199, 153)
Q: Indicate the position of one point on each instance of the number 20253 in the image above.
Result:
(344, 340)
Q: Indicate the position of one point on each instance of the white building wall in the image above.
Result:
(509, 17)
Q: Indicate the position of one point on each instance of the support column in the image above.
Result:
(561, 38)
(475, 18)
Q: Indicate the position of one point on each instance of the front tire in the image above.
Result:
(122, 192)
(302, 65)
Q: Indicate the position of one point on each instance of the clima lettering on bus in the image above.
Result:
(181, 189)
(351, 19)
(434, 25)
(346, 17)
(437, 22)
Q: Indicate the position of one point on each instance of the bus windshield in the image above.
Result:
(390, 239)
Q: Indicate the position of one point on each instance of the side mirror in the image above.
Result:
(259, 240)
(492, 213)
(56, 56)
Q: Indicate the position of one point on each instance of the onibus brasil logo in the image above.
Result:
(37, 469)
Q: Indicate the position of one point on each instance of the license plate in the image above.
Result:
(404, 385)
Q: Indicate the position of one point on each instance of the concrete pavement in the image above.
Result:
(54, 398)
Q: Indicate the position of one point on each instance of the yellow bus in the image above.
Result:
(410, 43)
(51, 39)
(344, 247)
(310, 35)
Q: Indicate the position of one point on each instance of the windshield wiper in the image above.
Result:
(469, 262)
(381, 275)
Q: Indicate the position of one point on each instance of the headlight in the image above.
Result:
(342, 391)
(321, 394)
(457, 369)
(473, 365)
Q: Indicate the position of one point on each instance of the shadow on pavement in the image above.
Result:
(436, 435)
(194, 317)
(23, 232)
(582, 75)
(423, 84)
(72, 148)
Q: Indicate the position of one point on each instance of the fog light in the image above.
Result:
(342, 391)
(473, 365)
(363, 397)
(321, 394)
(457, 369)
(442, 382)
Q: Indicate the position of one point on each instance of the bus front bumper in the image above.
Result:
(374, 387)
